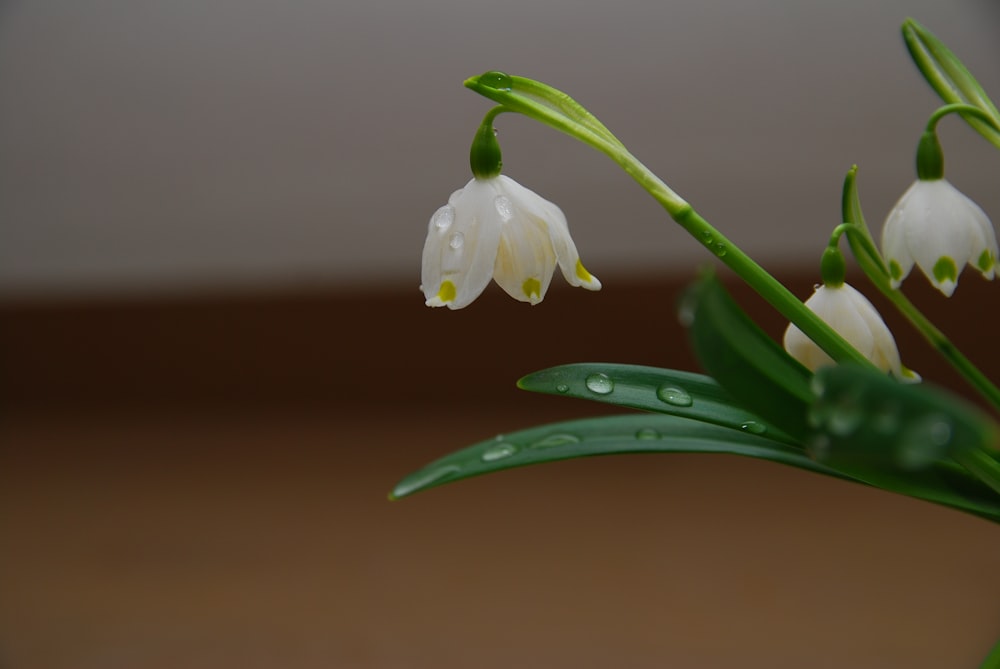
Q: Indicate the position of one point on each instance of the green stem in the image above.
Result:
(557, 110)
(930, 332)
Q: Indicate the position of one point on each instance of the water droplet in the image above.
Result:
(562, 388)
(719, 249)
(648, 434)
(501, 81)
(678, 397)
(443, 218)
(600, 383)
(504, 207)
(707, 237)
(558, 439)
(753, 427)
(845, 419)
(686, 308)
(456, 241)
(924, 441)
(499, 451)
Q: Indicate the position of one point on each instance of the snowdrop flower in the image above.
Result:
(852, 316)
(496, 228)
(937, 227)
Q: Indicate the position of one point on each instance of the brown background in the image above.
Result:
(202, 483)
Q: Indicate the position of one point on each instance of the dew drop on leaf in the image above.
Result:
(674, 396)
(558, 439)
(498, 451)
(500, 81)
(600, 383)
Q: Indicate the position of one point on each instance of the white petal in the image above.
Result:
(525, 262)
(458, 258)
(852, 316)
(558, 230)
(934, 222)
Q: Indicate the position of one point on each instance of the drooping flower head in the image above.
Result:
(936, 226)
(941, 230)
(495, 228)
(853, 317)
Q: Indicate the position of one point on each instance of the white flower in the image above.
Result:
(854, 318)
(497, 228)
(940, 229)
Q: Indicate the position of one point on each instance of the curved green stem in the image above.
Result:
(959, 108)
(557, 110)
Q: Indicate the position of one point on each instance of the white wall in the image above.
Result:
(210, 144)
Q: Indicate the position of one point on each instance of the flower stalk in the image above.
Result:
(863, 247)
(560, 112)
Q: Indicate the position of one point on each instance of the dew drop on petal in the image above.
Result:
(675, 396)
(600, 383)
(648, 434)
(753, 427)
(456, 241)
(443, 218)
(504, 207)
(562, 388)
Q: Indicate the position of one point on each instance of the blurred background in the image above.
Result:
(215, 360)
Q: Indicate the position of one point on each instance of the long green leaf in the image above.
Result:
(902, 437)
(752, 368)
(950, 78)
(667, 391)
(611, 435)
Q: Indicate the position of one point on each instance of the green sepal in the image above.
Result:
(667, 391)
(485, 157)
(930, 157)
(753, 369)
(949, 77)
(832, 267)
(610, 435)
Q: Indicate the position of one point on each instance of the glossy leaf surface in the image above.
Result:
(751, 366)
(949, 77)
(612, 435)
(667, 391)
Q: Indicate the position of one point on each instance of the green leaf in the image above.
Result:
(901, 437)
(636, 433)
(859, 237)
(949, 77)
(653, 389)
(753, 369)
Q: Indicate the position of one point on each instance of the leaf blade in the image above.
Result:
(752, 367)
(610, 435)
(667, 391)
(950, 78)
